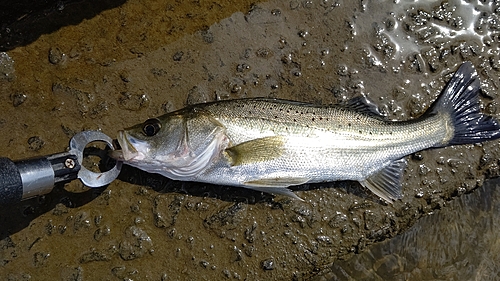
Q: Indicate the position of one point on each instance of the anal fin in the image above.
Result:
(386, 183)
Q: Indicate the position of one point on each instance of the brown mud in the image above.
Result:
(141, 59)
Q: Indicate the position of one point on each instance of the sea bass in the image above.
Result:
(271, 144)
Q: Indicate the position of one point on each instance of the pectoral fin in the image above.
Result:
(257, 150)
(386, 183)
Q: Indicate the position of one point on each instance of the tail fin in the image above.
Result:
(460, 99)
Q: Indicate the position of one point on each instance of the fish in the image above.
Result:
(270, 144)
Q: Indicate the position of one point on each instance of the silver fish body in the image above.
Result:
(269, 144)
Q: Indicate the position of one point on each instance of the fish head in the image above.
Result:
(177, 145)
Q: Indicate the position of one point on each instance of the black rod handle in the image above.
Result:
(32, 177)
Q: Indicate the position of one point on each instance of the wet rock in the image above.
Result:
(226, 218)
(242, 67)
(268, 264)
(423, 169)
(222, 95)
(82, 100)
(264, 53)
(60, 209)
(235, 88)
(304, 216)
(72, 274)
(372, 219)
(208, 36)
(324, 240)
(178, 56)
(40, 259)
(56, 56)
(165, 211)
(124, 273)
(101, 233)
(136, 244)
(18, 99)
(166, 107)
(204, 264)
(491, 108)
(125, 76)
(49, 227)
(158, 72)
(94, 255)
(250, 232)
(250, 250)
(133, 102)
(7, 250)
(35, 143)
(98, 220)
(7, 71)
(196, 95)
(342, 70)
(418, 156)
(82, 221)
(237, 255)
(338, 220)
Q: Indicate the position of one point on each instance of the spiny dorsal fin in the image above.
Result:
(386, 183)
(257, 150)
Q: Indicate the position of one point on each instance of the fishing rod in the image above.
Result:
(27, 178)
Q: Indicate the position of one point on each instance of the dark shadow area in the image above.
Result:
(163, 184)
(15, 217)
(23, 21)
(18, 215)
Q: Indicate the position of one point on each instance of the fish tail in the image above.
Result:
(460, 99)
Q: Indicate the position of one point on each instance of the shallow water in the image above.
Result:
(141, 59)
(460, 242)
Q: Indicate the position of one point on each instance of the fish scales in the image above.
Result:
(333, 123)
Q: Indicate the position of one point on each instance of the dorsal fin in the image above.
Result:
(365, 105)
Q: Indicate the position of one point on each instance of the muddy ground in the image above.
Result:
(106, 67)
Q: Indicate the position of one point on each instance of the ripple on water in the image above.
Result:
(460, 242)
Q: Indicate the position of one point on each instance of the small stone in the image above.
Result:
(268, 264)
(6, 67)
(56, 56)
(35, 143)
(17, 99)
(178, 56)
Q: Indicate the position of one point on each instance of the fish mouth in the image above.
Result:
(128, 151)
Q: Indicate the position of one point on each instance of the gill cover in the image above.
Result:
(179, 145)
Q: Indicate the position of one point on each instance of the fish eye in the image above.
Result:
(151, 127)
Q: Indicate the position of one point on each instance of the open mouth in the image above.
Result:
(127, 151)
